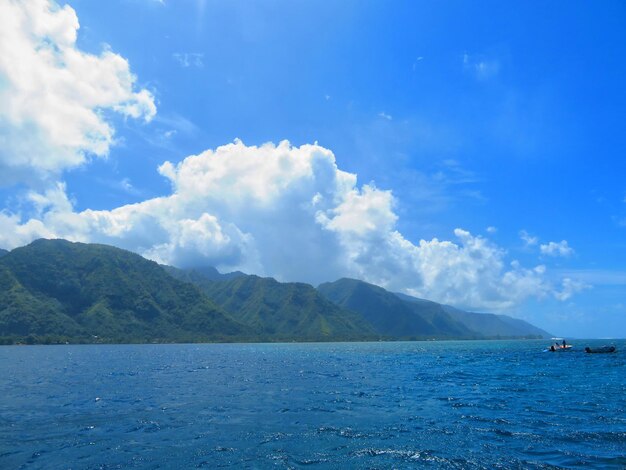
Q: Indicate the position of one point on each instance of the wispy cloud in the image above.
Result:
(569, 287)
(621, 221)
(528, 239)
(169, 134)
(597, 277)
(124, 185)
(453, 173)
(480, 67)
(386, 116)
(189, 59)
(177, 122)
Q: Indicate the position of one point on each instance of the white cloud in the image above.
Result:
(528, 239)
(52, 94)
(289, 212)
(556, 249)
(386, 116)
(361, 212)
(569, 287)
(491, 229)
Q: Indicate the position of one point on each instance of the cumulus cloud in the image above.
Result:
(52, 94)
(288, 212)
(556, 249)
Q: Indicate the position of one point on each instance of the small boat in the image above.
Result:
(601, 349)
(560, 348)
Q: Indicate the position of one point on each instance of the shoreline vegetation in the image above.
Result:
(59, 292)
(32, 340)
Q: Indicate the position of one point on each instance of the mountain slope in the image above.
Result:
(3, 252)
(22, 314)
(56, 291)
(200, 275)
(288, 311)
(392, 316)
(488, 325)
(81, 291)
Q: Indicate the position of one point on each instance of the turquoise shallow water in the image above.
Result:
(475, 404)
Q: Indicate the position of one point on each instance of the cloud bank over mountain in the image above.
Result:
(288, 212)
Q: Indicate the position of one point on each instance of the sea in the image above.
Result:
(383, 405)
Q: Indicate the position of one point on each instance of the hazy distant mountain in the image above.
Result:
(59, 290)
(402, 316)
(287, 311)
(392, 316)
(3, 252)
(487, 324)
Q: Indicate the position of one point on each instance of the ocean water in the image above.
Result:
(473, 404)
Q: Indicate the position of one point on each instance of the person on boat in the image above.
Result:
(564, 344)
(552, 348)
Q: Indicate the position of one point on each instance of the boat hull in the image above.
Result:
(559, 349)
(601, 350)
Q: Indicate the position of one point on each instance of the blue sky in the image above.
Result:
(504, 122)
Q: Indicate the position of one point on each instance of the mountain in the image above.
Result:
(58, 291)
(281, 311)
(55, 290)
(201, 275)
(488, 325)
(493, 326)
(392, 316)
(403, 316)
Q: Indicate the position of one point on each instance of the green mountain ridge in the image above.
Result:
(490, 325)
(55, 290)
(405, 316)
(201, 274)
(3, 252)
(281, 311)
(392, 316)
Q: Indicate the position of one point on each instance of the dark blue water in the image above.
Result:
(359, 405)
